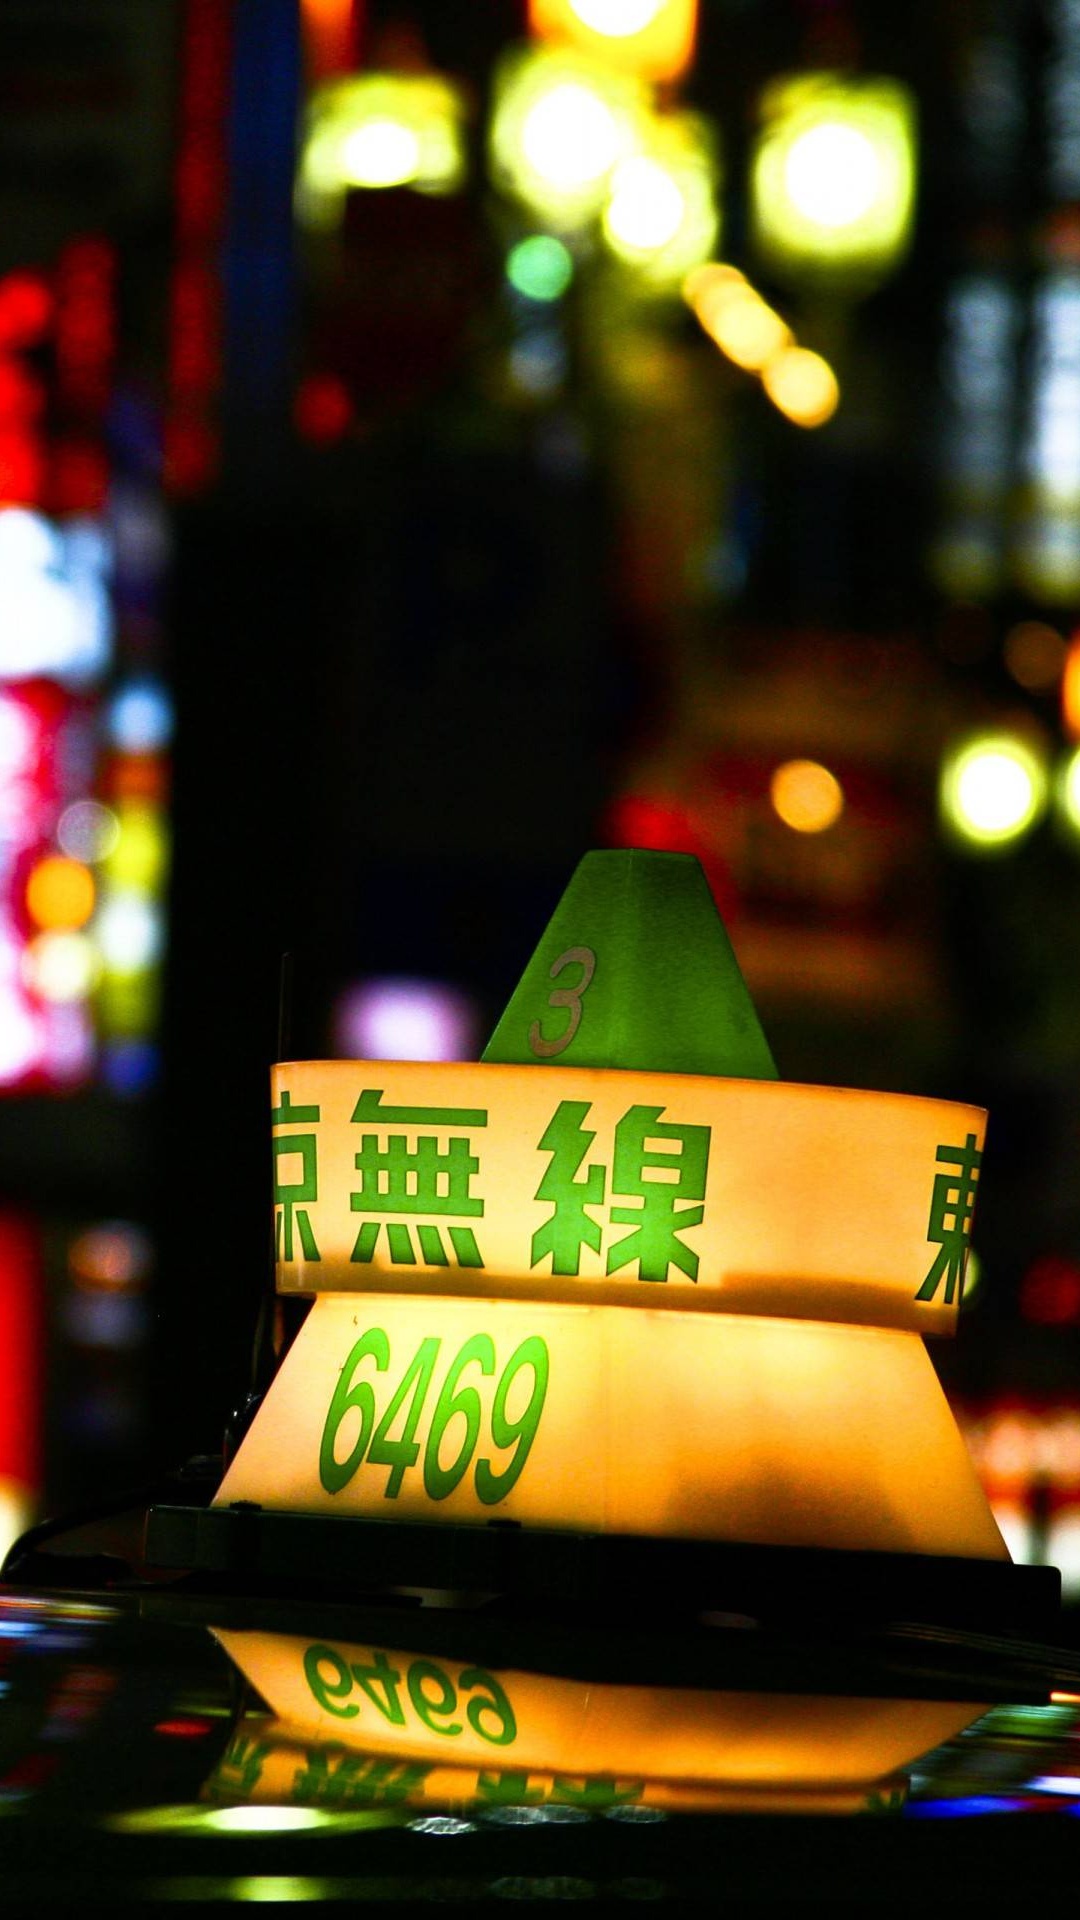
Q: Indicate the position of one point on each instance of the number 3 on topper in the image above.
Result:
(569, 997)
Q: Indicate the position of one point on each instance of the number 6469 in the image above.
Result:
(456, 1401)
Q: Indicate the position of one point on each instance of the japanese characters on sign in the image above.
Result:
(591, 1184)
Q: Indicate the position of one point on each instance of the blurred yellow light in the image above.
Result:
(746, 328)
(139, 858)
(1067, 792)
(1035, 655)
(61, 966)
(651, 38)
(993, 790)
(570, 138)
(833, 175)
(381, 153)
(60, 893)
(807, 796)
(375, 131)
(662, 215)
(560, 126)
(646, 206)
(802, 385)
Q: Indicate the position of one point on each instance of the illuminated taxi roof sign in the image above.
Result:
(489, 1247)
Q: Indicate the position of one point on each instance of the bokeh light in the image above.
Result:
(651, 38)
(993, 790)
(540, 267)
(807, 797)
(88, 831)
(833, 175)
(746, 328)
(662, 216)
(1034, 653)
(60, 892)
(379, 130)
(111, 1257)
(802, 385)
(560, 125)
(61, 966)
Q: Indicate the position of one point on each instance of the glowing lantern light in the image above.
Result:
(60, 892)
(376, 131)
(993, 789)
(540, 267)
(802, 385)
(833, 179)
(651, 38)
(808, 798)
(560, 126)
(661, 216)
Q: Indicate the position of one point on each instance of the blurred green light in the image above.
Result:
(540, 267)
(259, 1818)
(993, 790)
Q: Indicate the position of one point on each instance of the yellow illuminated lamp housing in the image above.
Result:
(561, 124)
(516, 1737)
(379, 130)
(618, 1279)
(833, 176)
(651, 38)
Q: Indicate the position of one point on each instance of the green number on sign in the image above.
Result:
(382, 1674)
(335, 1473)
(440, 1480)
(496, 1703)
(401, 1454)
(427, 1708)
(533, 1353)
(328, 1693)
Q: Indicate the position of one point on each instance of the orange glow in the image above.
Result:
(653, 39)
(807, 796)
(60, 893)
(803, 386)
(1035, 655)
(1070, 689)
(109, 1258)
(827, 1436)
(744, 326)
(330, 33)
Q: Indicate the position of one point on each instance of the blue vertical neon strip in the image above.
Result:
(258, 265)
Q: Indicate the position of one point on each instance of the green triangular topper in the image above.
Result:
(635, 970)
